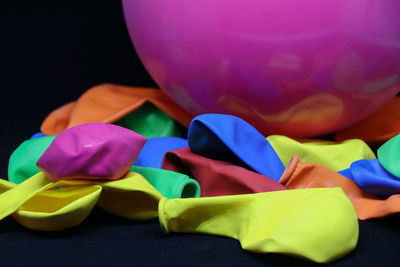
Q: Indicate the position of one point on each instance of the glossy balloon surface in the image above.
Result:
(293, 67)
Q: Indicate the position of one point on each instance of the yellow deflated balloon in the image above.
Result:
(318, 224)
(40, 204)
(333, 155)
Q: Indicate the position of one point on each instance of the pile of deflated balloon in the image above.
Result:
(123, 149)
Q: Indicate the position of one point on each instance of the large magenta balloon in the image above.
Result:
(294, 67)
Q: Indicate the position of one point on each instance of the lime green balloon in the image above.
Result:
(333, 155)
(318, 224)
(22, 163)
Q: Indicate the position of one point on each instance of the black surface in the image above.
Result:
(50, 53)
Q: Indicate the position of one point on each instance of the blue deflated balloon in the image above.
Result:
(229, 138)
(37, 135)
(155, 148)
(371, 177)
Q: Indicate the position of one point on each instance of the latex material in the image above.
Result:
(155, 148)
(377, 128)
(37, 135)
(13, 198)
(108, 103)
(335, 156)
(229, 138)
(308, 175)
(292, 222)
(218, 178)
(389, 155)
(37, 204)
(133, 198)
(150, 122)
(58, 208)
(91, 151)
(40, 204)
(170, 184)
(371, 177)
(22, 163)
(296, 68)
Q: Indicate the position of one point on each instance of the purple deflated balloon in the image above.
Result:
(91, 151)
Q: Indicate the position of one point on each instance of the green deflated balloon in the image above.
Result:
(150, 122)
(170, 184)
(22, 163)
(389, 155)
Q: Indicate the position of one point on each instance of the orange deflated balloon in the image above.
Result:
(377, 128)
(108, 103)
(307, 175)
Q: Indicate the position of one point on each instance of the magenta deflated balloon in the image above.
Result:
(91, 151)
(299, 68)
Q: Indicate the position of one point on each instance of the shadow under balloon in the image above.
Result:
(376, 237)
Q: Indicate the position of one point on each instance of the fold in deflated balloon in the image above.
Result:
(91, 151)
(154, 149)
(218, 178)
(389, 155)
(229, 138)
(371, 177)
(42, 205)
(108, 103)
(53, 208)
(333, 155)
(150, 121)
(11, 199)
(377, 128)
(22, 163)
(316, 224)
(133, 198)
(170, 184)
(307, 175)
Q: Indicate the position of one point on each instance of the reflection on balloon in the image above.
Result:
(299, 68)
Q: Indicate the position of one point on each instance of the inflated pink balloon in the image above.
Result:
(294, 67)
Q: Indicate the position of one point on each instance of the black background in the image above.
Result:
(50, 53)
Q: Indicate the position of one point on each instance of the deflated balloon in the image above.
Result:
(229, 138)
(170, 184)
(216, 177)
(154, 149)
(333, 155)
(371, 177)
(91, 151)
(389, 156)
(316, 224)
(22, 163)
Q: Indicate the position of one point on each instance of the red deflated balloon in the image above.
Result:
(291, 67)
